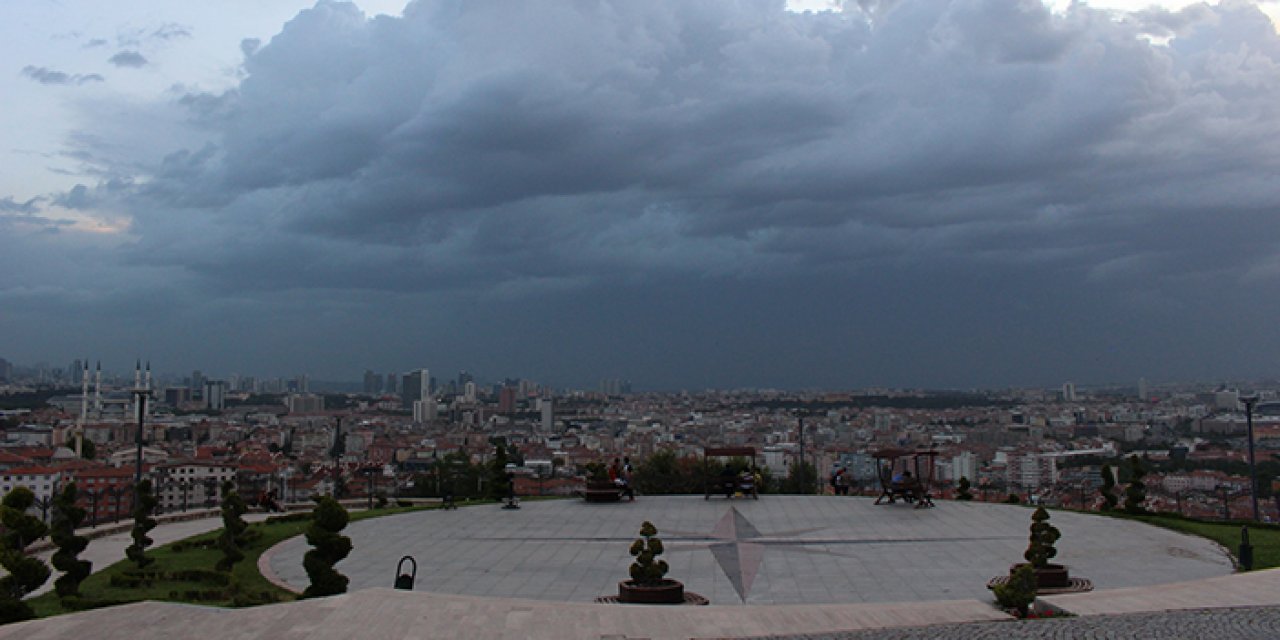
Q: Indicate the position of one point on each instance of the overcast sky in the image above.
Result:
(971, 193)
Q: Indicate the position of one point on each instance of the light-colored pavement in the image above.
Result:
(771, 538)
(389, 614)
(777, 550)
(1254, 623)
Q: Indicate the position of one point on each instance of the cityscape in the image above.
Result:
(1034, 446)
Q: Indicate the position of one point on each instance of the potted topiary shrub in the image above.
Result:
(1040, 550)
(1019, 591)
(648, 584)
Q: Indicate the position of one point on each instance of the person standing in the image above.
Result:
(627, 489)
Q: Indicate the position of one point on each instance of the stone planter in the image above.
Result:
(1050, 576)
(666, 592)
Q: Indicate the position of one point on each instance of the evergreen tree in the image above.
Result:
(1109, 499)
(66, 517)
(1043, 536)
(801, 478)
(1136, 493)
(142, 523)
(88, 450)
(498, 488)
(962, 489)
(25, 573)
(330, 547)
(233, 527)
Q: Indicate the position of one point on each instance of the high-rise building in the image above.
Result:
(215, 395)
(416, 386)
(305, 403)
(424, 411)
(6, 370)
(372, 382)
(1144, 393)
(469, 391)
(507, 400)
(197, 380)
(548, 415)
(1069, 392)
(393, 385)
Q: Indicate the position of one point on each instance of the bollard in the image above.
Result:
(405, 580)
(1246, 550)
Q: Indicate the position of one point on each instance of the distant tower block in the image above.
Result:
(1069, 392)
(1144, 393)
(416, 386)
(548, 415)
(424, 411)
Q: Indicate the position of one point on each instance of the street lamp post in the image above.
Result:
(141, 395)
(1249, 401)
(804, 474)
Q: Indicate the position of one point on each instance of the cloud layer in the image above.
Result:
(911, 192)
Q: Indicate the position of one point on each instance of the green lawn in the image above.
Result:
(187, 555)
(1264, 538)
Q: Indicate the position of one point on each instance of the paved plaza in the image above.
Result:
(772, 551)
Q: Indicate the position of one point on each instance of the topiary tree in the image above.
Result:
(1043, 537)
(962, 489)
(497, 472)
(233, 527)
(66, 517)
(142, 523)
(25, 573)
(1136, 493)
(1109, 499)
(1019, 591)
(327, 519)
(647, 569)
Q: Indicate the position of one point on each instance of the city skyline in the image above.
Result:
(910, 194)
(389, 381)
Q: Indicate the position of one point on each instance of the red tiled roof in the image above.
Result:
(32, 471)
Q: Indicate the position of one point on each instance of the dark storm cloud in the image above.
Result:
(952, 178)
(128, 59)
(44, 75)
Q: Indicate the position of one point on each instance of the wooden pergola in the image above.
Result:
(920, 462)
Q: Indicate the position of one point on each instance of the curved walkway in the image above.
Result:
(107, 548)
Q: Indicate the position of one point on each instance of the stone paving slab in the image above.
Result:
(777, 550)
(387, 614)
(1260, 623)
(1255, 588)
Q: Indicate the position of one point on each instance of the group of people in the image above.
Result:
(746, 482)
(620, 476)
